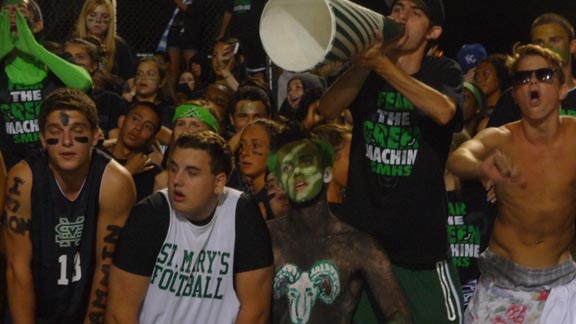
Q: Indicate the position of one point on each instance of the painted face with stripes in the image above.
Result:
(301, 174)
(98, 20)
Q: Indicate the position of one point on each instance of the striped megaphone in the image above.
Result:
(299, 35)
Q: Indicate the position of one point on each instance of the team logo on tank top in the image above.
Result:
(68, 232)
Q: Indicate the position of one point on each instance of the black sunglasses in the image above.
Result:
(545, 75)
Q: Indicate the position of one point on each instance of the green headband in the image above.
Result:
(13, 2)
(200, 113)
(475, 92)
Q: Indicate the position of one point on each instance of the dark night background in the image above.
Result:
(497, 24)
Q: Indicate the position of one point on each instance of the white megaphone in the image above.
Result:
(299, 35)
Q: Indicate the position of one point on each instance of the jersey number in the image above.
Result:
(76, 275)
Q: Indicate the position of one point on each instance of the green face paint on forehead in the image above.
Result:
(248, 108)
(564, 53)
(300, 172)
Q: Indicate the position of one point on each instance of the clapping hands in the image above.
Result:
(6, 37)
(22, 38)
(25, 40)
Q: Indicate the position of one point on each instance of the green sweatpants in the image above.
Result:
(434, 296)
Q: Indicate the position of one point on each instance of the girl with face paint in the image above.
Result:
(256, 141)
(98, 18)
(150, 84)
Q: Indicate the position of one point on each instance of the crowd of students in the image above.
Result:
(181, 187)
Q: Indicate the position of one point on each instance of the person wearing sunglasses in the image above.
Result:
(527, 270)
(554, 32)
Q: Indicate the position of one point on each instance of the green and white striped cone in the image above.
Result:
(299, 35)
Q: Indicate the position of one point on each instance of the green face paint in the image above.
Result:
(301, 175)
(247, 108)
(150, 75)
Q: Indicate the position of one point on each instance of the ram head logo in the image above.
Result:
(303, 288)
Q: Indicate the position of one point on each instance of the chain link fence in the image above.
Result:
(140, 22)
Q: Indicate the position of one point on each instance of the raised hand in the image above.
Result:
(139, 163)
(25, 40)
(6, 41)
(368, 58)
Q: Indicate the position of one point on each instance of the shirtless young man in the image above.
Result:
(533, 165)
(322, 263)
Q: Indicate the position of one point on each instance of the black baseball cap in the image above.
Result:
(434, 10)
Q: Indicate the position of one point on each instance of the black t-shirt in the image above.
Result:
(147, 227)
(245, 17)
(110, 106)
(124, 60)
(19, 112)
(167, 113)
(144, 181)
(507, 111)
(469, 227)
(396, 178)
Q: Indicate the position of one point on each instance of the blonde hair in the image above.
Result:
(109, 41)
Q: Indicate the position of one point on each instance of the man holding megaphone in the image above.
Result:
(405, 106)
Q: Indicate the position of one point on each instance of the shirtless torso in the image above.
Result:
(534, 227)
(533, 166)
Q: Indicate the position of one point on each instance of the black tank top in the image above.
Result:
(63, 235)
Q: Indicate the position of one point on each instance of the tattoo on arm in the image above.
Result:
(14, 189)
(16, 224)
(96, 315)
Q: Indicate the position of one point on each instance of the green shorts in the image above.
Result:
(434, 296)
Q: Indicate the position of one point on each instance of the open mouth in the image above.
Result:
(301, 185)
(177, 195)
(534, 97)
(294, 101)
(67, 155)
(244, 164)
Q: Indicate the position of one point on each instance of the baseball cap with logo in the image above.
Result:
(470, 55)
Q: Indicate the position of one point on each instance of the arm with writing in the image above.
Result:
(3, 178)
(71, 75)
(17, 216)
(117, 196)
(254, 290)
